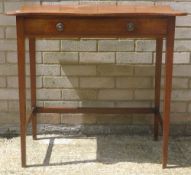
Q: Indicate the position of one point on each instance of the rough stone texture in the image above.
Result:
(78, 45)
(78, 70)
(2, 57)
(60, 57)
(10, 33)
(8, 45)
(114, 45)
(97, 82)
(48, 94)
(48, 45)
(145, 45)
(95, 72)
(115, 94)
(79, 94)
(48, 70)
(7, 20)
(97, 58)
(134, 82)
(60, 82)
(1, 7)
(114, 70)
(133, 58)
(1, 33)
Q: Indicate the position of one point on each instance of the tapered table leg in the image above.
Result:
(32, 49)
(159, 45)
(168, 87)
(22, 87)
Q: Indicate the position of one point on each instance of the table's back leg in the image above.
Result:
(168, 87)
(159, 45)
(22, 87)
(32, 51)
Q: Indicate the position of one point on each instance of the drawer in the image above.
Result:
(95, 27)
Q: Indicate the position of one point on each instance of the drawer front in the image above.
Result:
(95, 27)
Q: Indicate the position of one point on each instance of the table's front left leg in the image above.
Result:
(22, 86)
(168, 87)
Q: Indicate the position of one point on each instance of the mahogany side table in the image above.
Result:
(95, 21)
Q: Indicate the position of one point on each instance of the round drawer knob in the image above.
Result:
(60, 27)
(130, 27)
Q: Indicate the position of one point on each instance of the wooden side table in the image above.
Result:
(100, 21)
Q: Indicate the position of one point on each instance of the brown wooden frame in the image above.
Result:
(27, 28)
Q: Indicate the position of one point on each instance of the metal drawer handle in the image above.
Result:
(60, 27)
(130, 27)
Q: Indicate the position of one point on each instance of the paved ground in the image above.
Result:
(99, 155)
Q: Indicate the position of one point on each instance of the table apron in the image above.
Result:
(44, 27)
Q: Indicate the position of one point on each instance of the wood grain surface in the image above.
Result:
(96, 10)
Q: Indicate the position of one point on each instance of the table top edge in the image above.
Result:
(93, 10)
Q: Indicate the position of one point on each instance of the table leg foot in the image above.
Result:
(164, 164)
